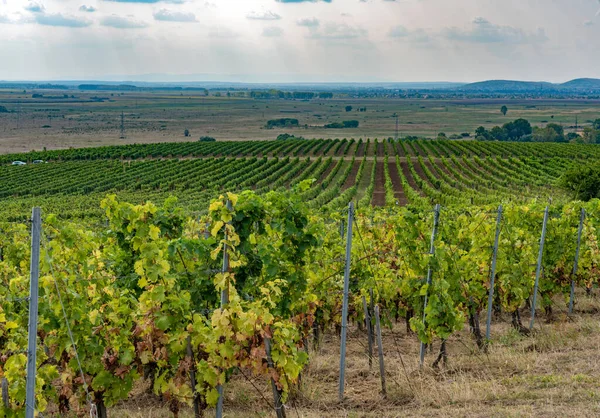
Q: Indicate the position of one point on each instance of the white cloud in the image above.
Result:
(417, 35)
(272, 32)
(266, 15)
(483, 31)
(222, 33)
(119, 22)
(35, 7)
(58, 19)
(87, 9)
(338, 31)
(308, 22)
(173, 16)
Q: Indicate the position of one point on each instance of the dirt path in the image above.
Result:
(421, 173)
(398, 190)
(379, 192)
(409, 177)
(352, 176)
(327, 171)
(361, 149)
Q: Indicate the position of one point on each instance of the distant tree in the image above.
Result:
(186, 133)
(591, 135)
(596, 124)
(584, 181)
(207, 139)
(573, 137)
(348, 108)
(548, 134)
(498, 133)
(3, 109)
(282, 123)
(504, 109)
(442, 135)
(518, 129)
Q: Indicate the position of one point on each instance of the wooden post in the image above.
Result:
(277, 393)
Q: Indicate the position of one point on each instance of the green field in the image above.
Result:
(72, 182)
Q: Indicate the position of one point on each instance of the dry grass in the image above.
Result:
(554, 372)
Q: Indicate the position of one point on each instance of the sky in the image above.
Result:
(299, 40)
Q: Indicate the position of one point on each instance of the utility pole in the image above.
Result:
(122, 125)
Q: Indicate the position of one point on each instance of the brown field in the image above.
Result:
(94, 118)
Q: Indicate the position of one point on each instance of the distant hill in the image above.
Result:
(589, 84)
(512, 86)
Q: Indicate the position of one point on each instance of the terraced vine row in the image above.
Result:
(374, 172)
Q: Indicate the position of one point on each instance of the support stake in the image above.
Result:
(380, 349)
(493, 275)
(34, 274)
(436, 220)
(576, 263)
(224, 301)
(345, 302)
(538, 269)
(368, 326)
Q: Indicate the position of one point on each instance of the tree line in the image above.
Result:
(520, 130)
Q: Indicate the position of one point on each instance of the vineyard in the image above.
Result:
(200, 271)
(380, 173)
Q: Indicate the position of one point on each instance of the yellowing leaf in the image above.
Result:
(216, 228)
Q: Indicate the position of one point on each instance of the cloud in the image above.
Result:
(165, 15)
(58, 19)
(588, 23)
(308, 22)
(303, 1)
(335, 31)
(401, 32)
(148, 1)
(267, 15)
(18, 19)
(87, 9)
(35, 7)
(272, 32)
(119, 22)
(483, 31)
(222, 33)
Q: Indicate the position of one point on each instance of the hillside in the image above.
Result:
(589, 84)
(513, 86)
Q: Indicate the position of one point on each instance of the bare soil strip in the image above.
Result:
(379, 192)
(398, 190)
(352, 176)
(409, 177)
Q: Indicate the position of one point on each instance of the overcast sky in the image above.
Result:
(300, 40)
